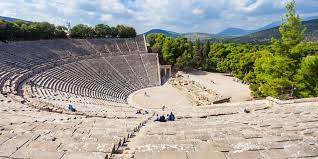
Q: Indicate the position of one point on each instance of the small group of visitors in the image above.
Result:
(71, 108)
(140, 112)
(170, 117)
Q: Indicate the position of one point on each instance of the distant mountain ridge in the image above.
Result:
(190, 36)
(265, 36)
(164, 32)
(236, 35)
(225, 34)
(236, 32)
(9, 19)
(201, 36)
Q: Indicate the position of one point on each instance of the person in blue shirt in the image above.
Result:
(171, 117)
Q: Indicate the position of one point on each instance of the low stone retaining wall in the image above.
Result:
(270, 101)
(274, 101)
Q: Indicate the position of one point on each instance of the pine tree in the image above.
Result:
(292, 31)
(307, 77)
(206, 50)
(197, 54)
(275, 73)
(167, 51)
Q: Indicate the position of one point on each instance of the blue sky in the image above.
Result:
(209, 16)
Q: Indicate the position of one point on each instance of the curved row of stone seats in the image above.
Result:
(9, 59)
(31, 133)
(82, 91)
(136, 62)
(279, 132)
(92, 70)
(5, 75)
(28, 58)
(124, 69)
(130, 70)
(74, 69)
(141, 42)
(133, 45)
(51, 50)
(110, 78)
(103, 69)
(60, 79)
(10, 66)
(96, 109)
(151, 64)
(122, 45)
(42, 51)
(119, 46)
(58, 102)
(100, 46)
(75, 66)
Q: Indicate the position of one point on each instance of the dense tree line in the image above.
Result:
(21, 30)
(286, 68)
(102, 31)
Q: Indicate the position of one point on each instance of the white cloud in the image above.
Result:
(106, 17)
(112, 6)
(197, 11)
(181, 16)
(67, 8)
(91, 13)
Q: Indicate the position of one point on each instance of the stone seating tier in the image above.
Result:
(79, 66)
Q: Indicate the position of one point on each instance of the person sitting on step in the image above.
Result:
(162, 118)
(171, 117)
(138, 112)
(71, 108)
(157, 119)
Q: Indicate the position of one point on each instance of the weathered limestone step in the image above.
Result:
(125, 150)
(180, 155)
(11, 146)
(122, 156)
(85, 155)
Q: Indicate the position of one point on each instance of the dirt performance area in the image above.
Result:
(192, 89)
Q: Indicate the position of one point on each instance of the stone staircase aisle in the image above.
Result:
(127, 150)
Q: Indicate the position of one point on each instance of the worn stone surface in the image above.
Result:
(161, 155)
(222, 131)
(84, 155)
(31, 133)
(206, 155)
(265, 133)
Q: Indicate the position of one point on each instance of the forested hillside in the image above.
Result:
(311, 34)
(203, 37)
(164, 32)
(285, 68)
(9, 19)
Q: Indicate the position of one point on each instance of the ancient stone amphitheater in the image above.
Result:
(39, 79)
